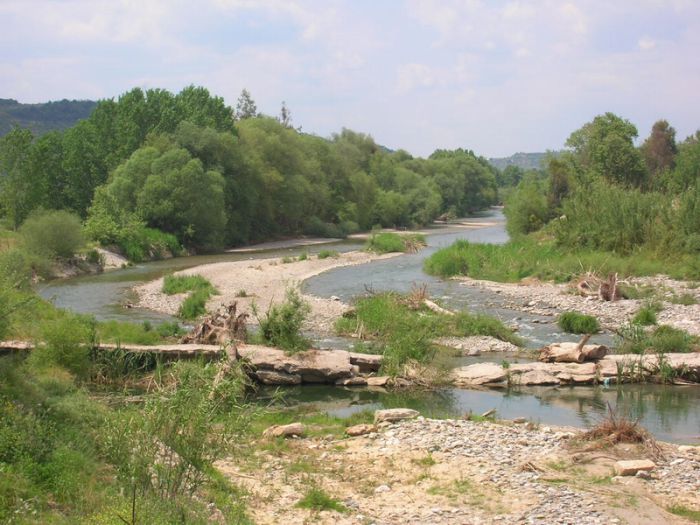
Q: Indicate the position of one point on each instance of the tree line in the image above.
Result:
(605, 193)
(153, 166)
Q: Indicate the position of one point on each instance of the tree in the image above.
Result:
(246, 108)
(55, 233)
(659, 149)
(605, 148)
(16, 190)
(285, 117)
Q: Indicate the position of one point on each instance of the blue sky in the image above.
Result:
(493, 76)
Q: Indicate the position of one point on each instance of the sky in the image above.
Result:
(496, 77)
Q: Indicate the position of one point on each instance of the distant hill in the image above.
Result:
(526, 161)
(41, 118)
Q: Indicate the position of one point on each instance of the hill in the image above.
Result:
(526, 161)
(44, 117)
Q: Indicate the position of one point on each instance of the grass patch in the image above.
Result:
(195, 303)
(633, 339)
(325, 254)
(387, 242)
(141, 334)
(685, 299)
(531, 257)
(645, 316)
(685, 512)
(317, 499)
(403, 331)
(577, 323)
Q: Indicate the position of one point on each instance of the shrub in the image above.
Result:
(66, 342)
(282, 323)
(645, 316)
(318, 228)
(325, 254)
(577, 323)
(526, 208)
(56, 233)
(633, 339)
(201, 290)
(317, 499)
(393, 242)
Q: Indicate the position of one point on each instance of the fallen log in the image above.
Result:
(572, 352)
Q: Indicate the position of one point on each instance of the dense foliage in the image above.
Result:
(41, 118)
(191, 167)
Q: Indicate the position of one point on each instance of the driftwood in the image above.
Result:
(572, 352)
(590, 285)
(223, 327)
(436, 308)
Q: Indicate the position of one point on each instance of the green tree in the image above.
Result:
(246, 108)
(605, 148)
(17, 192)
(54, 233)
(659, 149)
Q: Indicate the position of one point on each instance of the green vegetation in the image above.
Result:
(685, 512)
(646, 315)
(42, 118)
(281, 324)
(152, 171)
(393, 242)
(577, 323)
(403, 330)
(140, 334)
(317, 499)
(634, 339)
(195, 303)
(55, 233)
(325, 254)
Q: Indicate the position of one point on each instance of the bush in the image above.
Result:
(318, 228)
(526, 208)
(282, 323)
(577, 323)
(325, 254)
(66, 342)
(393, 242)
(55, 233)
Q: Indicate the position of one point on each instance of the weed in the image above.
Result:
(241, 293)
(614, 429)
(393, 242)
(195, 303)
(426, 461)
(287, 260)
(577, 323)
(645, 316)
(686, 299)
(304, 256)
(317, 499)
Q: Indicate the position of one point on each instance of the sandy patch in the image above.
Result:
(264, 281)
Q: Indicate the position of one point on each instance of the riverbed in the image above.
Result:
(670, 412)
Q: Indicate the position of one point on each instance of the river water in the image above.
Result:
(672, 413)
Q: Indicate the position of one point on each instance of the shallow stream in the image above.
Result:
(671, 413)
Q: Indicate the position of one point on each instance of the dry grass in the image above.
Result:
(614, 429)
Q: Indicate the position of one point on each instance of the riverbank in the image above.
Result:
(261, 282)
(549, 299)
(457, 471)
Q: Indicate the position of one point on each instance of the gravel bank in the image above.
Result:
(264, 282)
(454, 471)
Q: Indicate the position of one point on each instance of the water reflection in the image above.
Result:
(670, 413)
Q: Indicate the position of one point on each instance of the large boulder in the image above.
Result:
(366, 362)
(293, 429)
(479, 374)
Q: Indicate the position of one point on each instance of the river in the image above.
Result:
(671, 413)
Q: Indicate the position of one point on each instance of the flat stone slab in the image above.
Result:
(367, 362)
(536, 377)
(313, 366)
(378, 381)
(479, 374)
(631, 467)
(476, 344)
(392, 415)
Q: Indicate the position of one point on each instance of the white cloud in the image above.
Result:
(646, 43)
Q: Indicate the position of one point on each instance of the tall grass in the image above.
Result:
(530, 257)
(281, 325)
(403, 334)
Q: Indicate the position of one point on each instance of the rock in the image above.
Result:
(572, 353)
(360, 430)
(643, 474)
(519, 420)
(475, 345)
(352, 381)
(313, 366)
(479, 374)
(536, 377)
(270, 377)
(367, 362)
(293, 429)
(394, 414)
(631, 467)
(377, 381)
(689, 449)
(382, 488)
